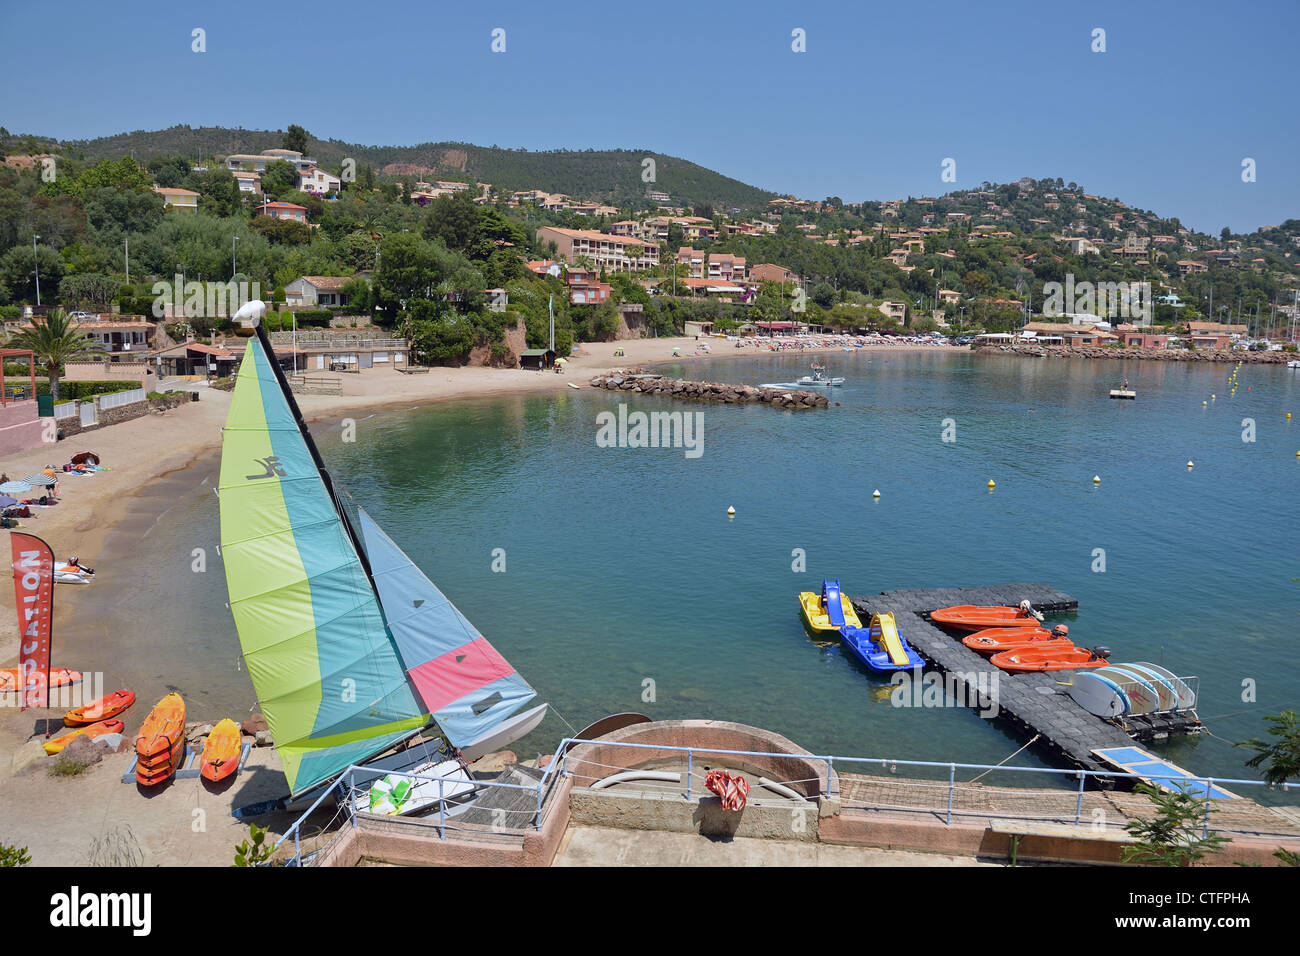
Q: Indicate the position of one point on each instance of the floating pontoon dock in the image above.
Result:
(1036, 703)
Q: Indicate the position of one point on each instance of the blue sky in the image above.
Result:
(883, 94)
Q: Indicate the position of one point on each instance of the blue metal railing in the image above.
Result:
(558, 768)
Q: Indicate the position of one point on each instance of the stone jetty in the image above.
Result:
(649, 384)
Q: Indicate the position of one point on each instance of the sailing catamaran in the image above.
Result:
(351, 648)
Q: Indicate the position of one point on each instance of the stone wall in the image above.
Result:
(123, 413)
(646, 384)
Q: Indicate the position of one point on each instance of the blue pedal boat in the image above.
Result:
(880, 646)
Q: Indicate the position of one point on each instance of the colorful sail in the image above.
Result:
(467, 686)
(323, 661)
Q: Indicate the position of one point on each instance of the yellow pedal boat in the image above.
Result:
(828, 611)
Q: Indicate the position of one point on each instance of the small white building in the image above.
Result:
(319, 291)
(316, 180)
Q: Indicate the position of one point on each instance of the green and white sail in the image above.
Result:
(324, 663)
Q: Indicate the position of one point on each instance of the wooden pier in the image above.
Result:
(1035, 703)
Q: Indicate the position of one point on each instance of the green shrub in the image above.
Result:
(66, 766)
(258, 851)
(13, 855)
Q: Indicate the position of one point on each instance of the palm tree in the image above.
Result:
(55, 341)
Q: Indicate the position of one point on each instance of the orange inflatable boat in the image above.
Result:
(161, 741)
(94, 730)
(1047, 660)
(110, 705)
(221, 751)
(972, 617)
(993, 640)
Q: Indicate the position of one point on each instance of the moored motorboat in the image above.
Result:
(974, 617)
(1051, 660)
(828, 611)
(993, 640)
(819, 379)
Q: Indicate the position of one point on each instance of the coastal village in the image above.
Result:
(157, 310)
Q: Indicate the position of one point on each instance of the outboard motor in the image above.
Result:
(1100, 652)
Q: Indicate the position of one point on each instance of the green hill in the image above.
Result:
(612, 176)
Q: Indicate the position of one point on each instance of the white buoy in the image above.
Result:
(1096, 479)
(1189, 466)
(731, 511)
(876, 493)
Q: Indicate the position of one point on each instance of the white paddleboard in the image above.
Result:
(1098, 695)
(1186, 696)
(1142, 695)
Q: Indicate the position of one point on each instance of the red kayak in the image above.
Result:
(972, 617)
(993, 640)
(1046, 660)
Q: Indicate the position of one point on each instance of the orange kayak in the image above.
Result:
(59, 677)
(94, 730)
(972, 617)
(110, 705)
(991, 640)
(161, 741)
(221, 751)
(1046, 660)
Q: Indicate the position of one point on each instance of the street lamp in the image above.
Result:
(37, 264)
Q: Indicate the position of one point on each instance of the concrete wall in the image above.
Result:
(776, 820)
(141, 372)
(20, 427)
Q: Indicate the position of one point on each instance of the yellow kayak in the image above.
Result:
(820, 610)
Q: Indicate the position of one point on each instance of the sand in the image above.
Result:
(60, 818)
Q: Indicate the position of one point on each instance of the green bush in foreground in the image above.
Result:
(1173, 836)
(257, 852)
(14, 855)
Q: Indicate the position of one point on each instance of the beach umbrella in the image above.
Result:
(6, 501)
(16, 487)
(40, 478)
(85, 456)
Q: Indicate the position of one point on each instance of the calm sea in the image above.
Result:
(628, 588)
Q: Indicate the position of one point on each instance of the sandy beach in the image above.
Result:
(105, 519)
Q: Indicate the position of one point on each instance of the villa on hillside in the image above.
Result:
(182, 200)
(284, 210)
(319, 291)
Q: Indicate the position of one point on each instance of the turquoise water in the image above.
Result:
(622, 566)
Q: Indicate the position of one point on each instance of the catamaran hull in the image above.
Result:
(503, 733)
(432, 782)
